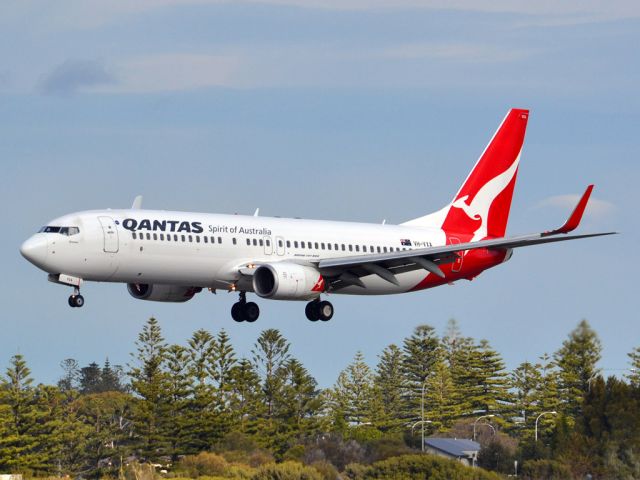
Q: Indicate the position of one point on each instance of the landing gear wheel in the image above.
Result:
(237, 313)
(312, 311)
(325, 311)
(251, 312)
(76, 301)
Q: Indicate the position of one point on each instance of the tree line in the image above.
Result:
(173, 401)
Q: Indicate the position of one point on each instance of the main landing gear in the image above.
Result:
(245, 311)
(319, 310)
(76, 300)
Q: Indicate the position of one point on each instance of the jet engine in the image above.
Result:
(287, 281)
(162, 293)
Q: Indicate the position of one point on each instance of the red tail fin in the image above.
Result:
(481, 208)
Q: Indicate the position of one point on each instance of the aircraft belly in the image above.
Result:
(378, 286)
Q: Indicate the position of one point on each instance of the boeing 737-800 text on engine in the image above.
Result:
(171, 256)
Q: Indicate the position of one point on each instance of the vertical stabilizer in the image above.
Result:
(481, 207)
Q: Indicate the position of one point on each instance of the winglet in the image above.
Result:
(137, 203)
(574, 220)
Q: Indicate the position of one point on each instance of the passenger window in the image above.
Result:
(183, 238)
(357, 248)
(260, 242)
(255, 242)
(155, 236)
(371, 249)
(133, 234)
(322, 246)
(162, 236)
(234, 240)
(288, 243)
(175, 238)
(220, 240)
(384, 249)
(335, 245)
(301, 244)
(379, 249)
(295, 244)
(328, 246)
(168, 237)
(280, 243)
(343, 249)
(350, 248)
(317, 246)
(268, 242)
(206, 239)
(248, 241)
(190, 238)
(148, 236)
(197, 238)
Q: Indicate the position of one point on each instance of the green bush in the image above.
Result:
(287, 471)
(545, 470)
(203, 464)
(326, 469)
(425, 466)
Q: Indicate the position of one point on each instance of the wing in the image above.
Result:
(347, 270)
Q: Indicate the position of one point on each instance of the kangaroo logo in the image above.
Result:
(479, 207)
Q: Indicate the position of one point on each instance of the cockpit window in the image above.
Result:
(68, 231)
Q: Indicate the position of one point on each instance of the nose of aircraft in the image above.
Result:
(35, 249)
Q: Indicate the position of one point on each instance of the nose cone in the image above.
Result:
(35, 250)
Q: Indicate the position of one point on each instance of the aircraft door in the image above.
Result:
(457, 265)
(280, 250)
(110, 233)
(268, 247)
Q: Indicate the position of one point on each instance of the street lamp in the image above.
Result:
(553, 412)
(476, 422)
(424, 385)
(418, 423)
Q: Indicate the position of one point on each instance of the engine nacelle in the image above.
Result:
(162, 293)
(287, 281)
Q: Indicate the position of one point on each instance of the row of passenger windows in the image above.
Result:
(300, 244)
(344, 247)
(176, 238)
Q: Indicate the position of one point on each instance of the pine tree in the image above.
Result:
(177, 395)
(71, 378)
(270, 353)
(300, 401)
(634, 371)
(19, 444)
(390, 384)
(246, 401)
(440, 395)
(148, 382)
(421, 352)
(90, 379)
(352, 395)
(202, 417)
(111, 378)
(576, 360)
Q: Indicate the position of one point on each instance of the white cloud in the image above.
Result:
(596, 208)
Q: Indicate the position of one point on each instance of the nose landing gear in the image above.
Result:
(245, 311)
(76, 300)
(319, 310)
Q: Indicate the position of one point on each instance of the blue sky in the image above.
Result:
(346, 110)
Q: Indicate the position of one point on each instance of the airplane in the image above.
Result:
(170, 256)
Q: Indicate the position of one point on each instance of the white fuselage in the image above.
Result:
(208, 250)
